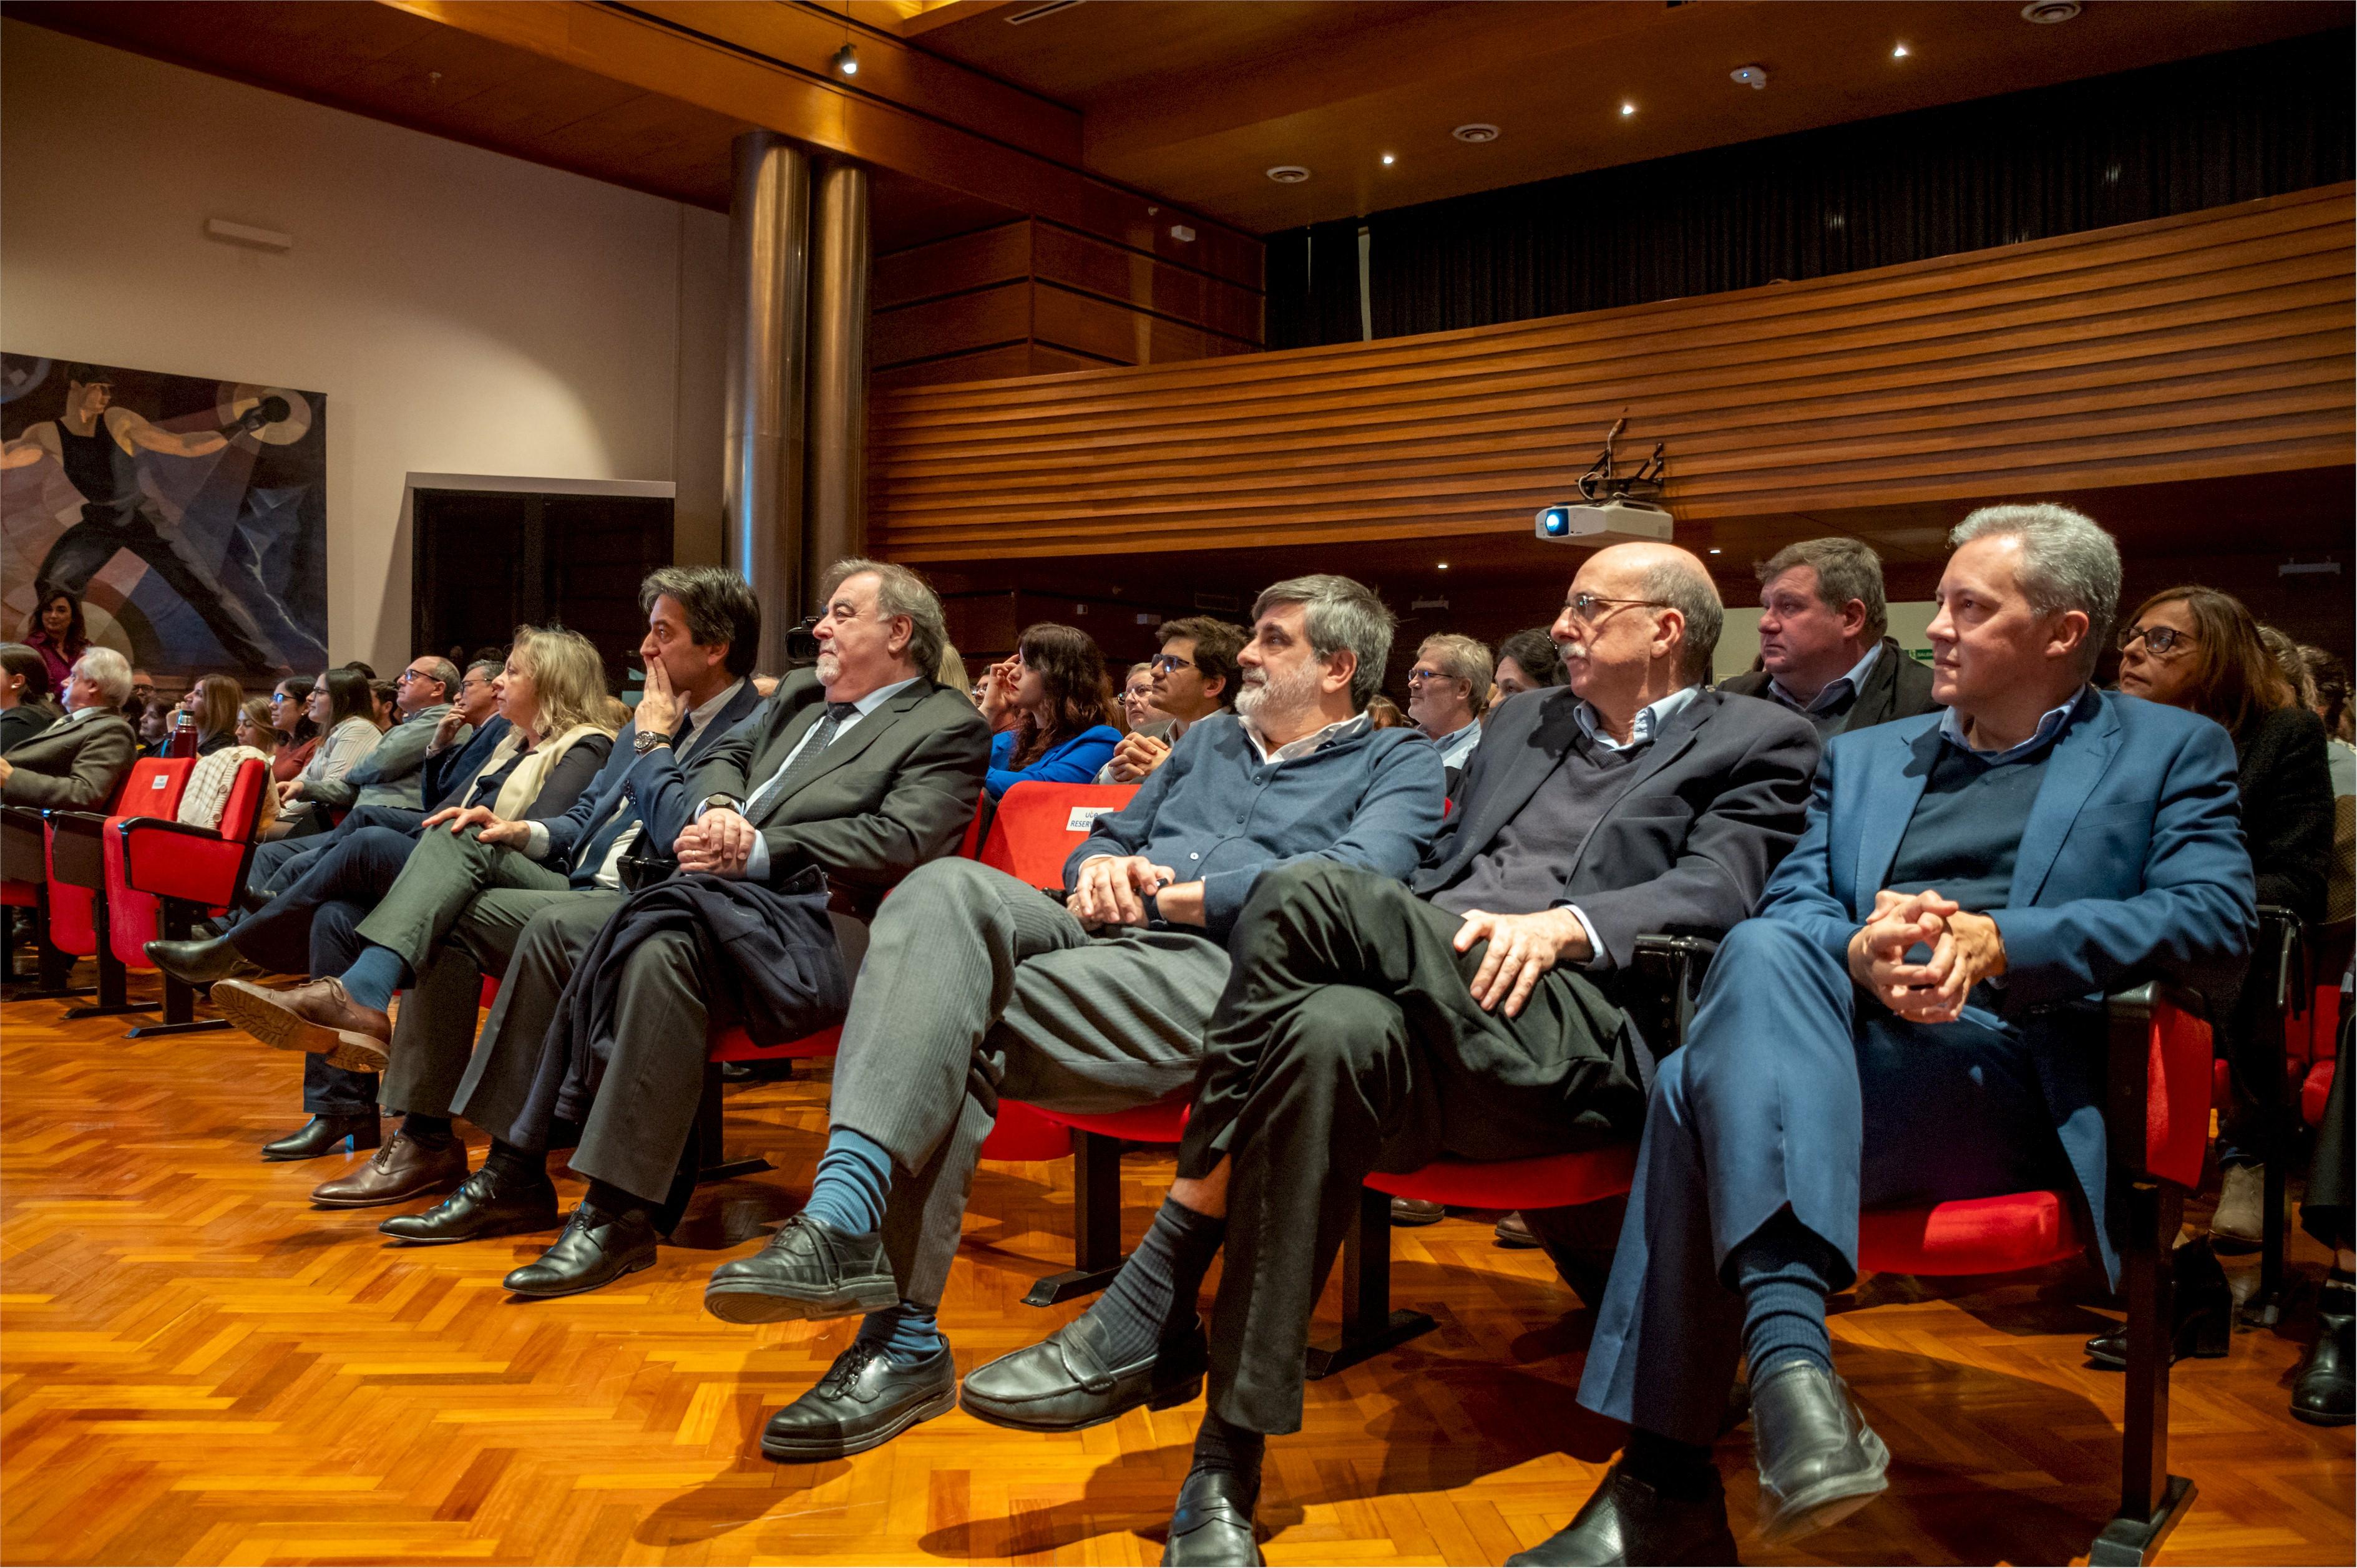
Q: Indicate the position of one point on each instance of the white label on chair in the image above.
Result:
(1083, 817)
(159, 781)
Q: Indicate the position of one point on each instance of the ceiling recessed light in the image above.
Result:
(1476, 131)
(1899, 51)
(846, 60)
(1713, 550)
(1628, 109)
(1389, 160)
(1754, 77)
(1289, 174)
(1441, 566)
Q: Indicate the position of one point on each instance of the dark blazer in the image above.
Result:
(895, 793)
(2285, 776)
(443, 776)
(1896, 688)
(2131, 868)
(75, 766)
(657, 781)
(1695, 826)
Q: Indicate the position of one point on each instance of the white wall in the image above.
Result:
(465, 312)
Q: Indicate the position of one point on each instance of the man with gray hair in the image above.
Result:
(1447, 691)
(977, 987)
(1910, 1018)
(1824, 649)
(1477, 1012)
(77, 762)
(392, 774)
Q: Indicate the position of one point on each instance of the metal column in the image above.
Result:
(837, 512)
(768, 272)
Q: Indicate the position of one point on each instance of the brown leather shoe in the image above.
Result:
(318, 1018)
(1515, 1231)
(402, 1169)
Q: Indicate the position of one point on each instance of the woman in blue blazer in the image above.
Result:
(1050, 706)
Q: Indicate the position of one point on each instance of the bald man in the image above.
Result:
(1476, 1011)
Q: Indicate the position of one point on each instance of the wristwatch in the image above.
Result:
(648, 739)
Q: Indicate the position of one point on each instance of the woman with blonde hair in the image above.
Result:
(219, 700)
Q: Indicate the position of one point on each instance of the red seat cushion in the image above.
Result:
(1162, 1123)
(734, 1044)
(2313, 1090)
(1549, 1181)
(1026, 1133)
(1971, 1236)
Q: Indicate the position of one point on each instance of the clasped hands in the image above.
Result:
(1966, 949)
(1137, 755)
(1112, 891)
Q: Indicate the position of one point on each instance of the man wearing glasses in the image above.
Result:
(1194, 677)
(1446, 692)
(1474, 1012)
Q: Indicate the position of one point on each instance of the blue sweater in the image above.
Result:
(1215, 810)
(1073, 761)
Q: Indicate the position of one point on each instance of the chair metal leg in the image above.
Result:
(2265, 1304)
(1097, 1223)
(1370, 1326)
(113, 980)
(2151, 1499)
(711, 1132)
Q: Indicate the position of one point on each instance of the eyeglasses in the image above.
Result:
(1583, 606)
(1419, 675)
(1165, 663)
(2158, 640)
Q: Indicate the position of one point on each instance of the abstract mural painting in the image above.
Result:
(190, 514)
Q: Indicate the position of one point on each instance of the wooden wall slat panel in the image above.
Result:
(1092, 266)
(951, 326)
(950, 266)
(1115, 331)
(2202, 346)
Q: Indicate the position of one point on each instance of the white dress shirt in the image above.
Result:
(757, 862)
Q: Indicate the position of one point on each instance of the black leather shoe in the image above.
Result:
(1819, 1462)
(808, 1270)
(198, 962)
(593, 1249)
(324, 1134)
(2319, 1391)
(483, 1206)
(1062, 1383)
(1625, 1521)
(865, 1400)
(1212, 1525)
(1409, 1212)
(2203, 1311)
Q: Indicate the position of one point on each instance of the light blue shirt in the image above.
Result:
(1952, 730)
(757, 861)
(1837, 690)
(1457, 746)
(1650, 718)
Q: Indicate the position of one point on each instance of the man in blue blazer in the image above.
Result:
(1913, 1017)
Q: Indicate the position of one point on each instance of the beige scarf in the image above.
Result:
(523, 786)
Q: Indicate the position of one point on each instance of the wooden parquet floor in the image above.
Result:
(197, 1367)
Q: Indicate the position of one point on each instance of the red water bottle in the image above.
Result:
(182, 741)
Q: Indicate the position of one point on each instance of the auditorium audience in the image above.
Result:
(1447, 691)
(1385, 714)
(553, 748)
(1825, 651)
(2199, 649)
(977, 989)
(1476, 1011)
(1526, 661)
(343, 709)
(385, 698)
(1051, 710)
(1903, 1021)
(1193, 677)
(392, 773)
(298, 737)
(219, 701)
(55, 632)
(154, 724)
(25, 706)
(255, 732)
(77, 762)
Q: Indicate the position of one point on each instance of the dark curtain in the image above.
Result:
(1313, 285)
(1996, 171)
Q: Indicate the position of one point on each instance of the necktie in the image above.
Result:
(807, 760)
(624, 820)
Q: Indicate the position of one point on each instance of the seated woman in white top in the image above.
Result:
(344, 708)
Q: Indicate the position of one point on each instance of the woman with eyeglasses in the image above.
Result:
(2199, 649)
(298, 737)
(1051, 708)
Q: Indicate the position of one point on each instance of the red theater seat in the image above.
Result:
(164, 875)
(79, 921)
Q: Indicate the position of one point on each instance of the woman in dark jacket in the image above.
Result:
(25, 709)
(2199, 649)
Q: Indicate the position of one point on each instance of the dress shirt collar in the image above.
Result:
(1952, 730)
(1647, 724)
(1340, 729)
(877, 698)
(702, 713)
(1838, 689)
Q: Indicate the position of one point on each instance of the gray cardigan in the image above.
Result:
(391, 775)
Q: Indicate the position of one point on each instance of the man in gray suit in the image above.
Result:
(856, 772)
(75, 764)
(1824, 649)
(1475, 1013)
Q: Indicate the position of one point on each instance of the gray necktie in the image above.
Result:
(809, 759)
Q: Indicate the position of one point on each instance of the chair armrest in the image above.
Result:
(2158, 1082)
(168, 859)
(1675, 967)
(77, 851)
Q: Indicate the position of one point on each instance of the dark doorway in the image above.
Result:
(486, 562)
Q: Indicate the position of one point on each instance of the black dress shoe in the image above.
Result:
(2202, 1309)
(483, 1206)
(1212, 1525)
(865, 1400)
(198, 962)
(1625, 1521)
(808, 1270)
(324, 1135)
(1819, 1462)
(593, 1249)
(1064, 1384)
(2319, 1391)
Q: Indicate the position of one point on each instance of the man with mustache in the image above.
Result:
(1476, 1011)
(978, 986)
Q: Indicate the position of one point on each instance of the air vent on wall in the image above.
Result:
(1033, 13)
(2048, 12)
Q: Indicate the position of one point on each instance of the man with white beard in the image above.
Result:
(977, 986)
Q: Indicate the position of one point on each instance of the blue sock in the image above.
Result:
(1785, 1271)
(374, 976)
(908, 1333)
(855, 1176)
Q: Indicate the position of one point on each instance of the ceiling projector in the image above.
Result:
(1613, 509)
